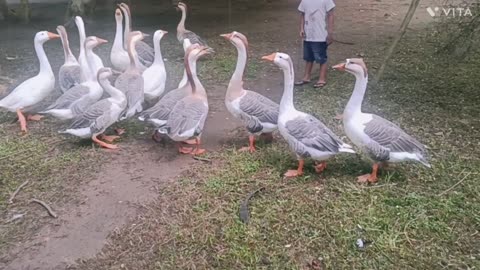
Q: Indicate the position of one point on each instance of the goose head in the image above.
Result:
(79, 22)
(236, 38)
(125, 7)
(118, 15)
(282, 60)
(136, 36)
(181, 6)
(158, 35)
(92, 42)
(104, 73)
(354, 66)
(44, 36)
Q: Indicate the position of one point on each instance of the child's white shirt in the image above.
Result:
(316, 18)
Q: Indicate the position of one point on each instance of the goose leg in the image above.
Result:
(103, 144)
(198, 150)
(192, 141)
(339, 116)
(320, 167)
(370, 178)
(108, 138)
(35, 117)
(22, 120)
(184, 150)
(251, 147)
(119, 131)
(297, 172)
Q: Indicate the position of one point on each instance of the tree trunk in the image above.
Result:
(24, 11)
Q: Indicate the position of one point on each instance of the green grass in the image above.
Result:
(414, 218)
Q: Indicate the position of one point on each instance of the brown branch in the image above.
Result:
(456, 184)
(50, 211)
(401, 32)
(10, 201)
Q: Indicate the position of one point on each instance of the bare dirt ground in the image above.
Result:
(130, 178)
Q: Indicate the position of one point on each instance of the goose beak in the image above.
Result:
(340, 66)
(116, 72)
(165, 32)
(52, 35)
(270, 57)
(101, 40)
(227, 36)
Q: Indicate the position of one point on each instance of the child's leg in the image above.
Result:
(320, 52)
(309, 59)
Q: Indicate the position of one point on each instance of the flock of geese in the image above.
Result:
(180, 113)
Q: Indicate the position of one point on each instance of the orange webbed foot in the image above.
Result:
(109, 138)
(192, 141)
(185, 150)
(247, 148)
(120, 131)
(198, 152)
(320, 167)
(35, 117)
(292, 173)
(103, 144)
(366, 178)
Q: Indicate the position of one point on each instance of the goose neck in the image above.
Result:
(354, 105)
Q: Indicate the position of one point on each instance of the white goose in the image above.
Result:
(75, 101)
(155, 76)
(70, 73)
(98, 117)
(258, 113)
(82, 58)
(381, 140)
(306, 135)
(35, 89)
(146, 54)
(118, 54)
(187, 119)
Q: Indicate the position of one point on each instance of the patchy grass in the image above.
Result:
(414, 218)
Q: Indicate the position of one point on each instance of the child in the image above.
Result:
(316, 29)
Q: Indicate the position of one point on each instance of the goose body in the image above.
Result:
(145, 52)
(184, 81)
(158, 114)
(379, 139)
(102, 114)
(131, 81)
(155, 76)
(118, 54)
(75, 101)
(258, 113)
(70, 73)
(183, 33)
(35, 89)
(307, 136)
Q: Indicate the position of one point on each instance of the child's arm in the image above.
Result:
(330, 19)
(302, 25)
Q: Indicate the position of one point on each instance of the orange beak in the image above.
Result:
(270, 57)
(165, 32)
(227, 36)
(340, 67)
(52, 35)
(101, 40)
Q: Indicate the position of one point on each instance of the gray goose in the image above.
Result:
(70, 73)
(381, 140)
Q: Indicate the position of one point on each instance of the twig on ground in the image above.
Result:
(10, 201)
(202, 159)
(15, 217)
(244, 214)
(50, 211)
(456, 184)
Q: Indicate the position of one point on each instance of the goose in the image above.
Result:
(82, 58)
(146, 54)
(118, 55)
(155, 76)
(258, 113)
(80, 97)
(93, 122)
(70, 73)
(34, 89)
(131, 81)
(158, 114)
(306, 135)
(183, 33)
(381, 140)
(188, 116)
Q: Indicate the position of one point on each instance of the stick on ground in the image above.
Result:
(50, 211)
(10, 201)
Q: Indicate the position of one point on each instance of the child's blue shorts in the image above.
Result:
(314, 51)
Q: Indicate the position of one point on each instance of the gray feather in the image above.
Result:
(187, 114)
(69, 76)
(75, 96)
(161, 110)
(257, 110)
